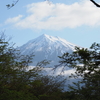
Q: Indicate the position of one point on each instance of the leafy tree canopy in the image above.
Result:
(86, 63)
(17, 82)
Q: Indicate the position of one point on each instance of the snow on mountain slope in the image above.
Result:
(47, 47)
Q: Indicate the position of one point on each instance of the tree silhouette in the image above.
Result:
(95, 3)
(13, 4)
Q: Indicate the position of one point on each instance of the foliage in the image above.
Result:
(86, 63)
(17, 82)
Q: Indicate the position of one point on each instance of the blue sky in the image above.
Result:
(77, 21)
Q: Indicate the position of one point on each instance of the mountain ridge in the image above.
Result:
(47, 47)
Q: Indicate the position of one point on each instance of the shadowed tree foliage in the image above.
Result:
(86, 63)
(14, 78)
(18, 82)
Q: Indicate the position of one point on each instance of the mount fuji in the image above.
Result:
(47, 47)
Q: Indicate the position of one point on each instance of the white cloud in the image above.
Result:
(13, 20)
(57, 16)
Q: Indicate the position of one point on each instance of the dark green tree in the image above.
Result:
(86, 63)
(18, 82)
(14, 77)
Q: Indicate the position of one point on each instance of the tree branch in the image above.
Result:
(13, 4)
(95, 3)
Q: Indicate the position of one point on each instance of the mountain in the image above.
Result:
(47, 47)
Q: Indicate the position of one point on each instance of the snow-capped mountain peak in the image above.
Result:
(47, 47)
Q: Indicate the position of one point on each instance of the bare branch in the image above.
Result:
(13, 4)
(95, 3)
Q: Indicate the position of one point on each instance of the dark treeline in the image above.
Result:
(19, 83)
